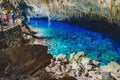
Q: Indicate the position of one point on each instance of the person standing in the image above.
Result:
(6, 17)
(12, 16)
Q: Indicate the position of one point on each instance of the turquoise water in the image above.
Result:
(66, 38)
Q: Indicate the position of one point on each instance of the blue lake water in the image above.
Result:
(67, 38)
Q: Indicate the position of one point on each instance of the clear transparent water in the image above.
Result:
(66, 38)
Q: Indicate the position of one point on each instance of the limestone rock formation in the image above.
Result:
(113, 68)
(80, 68)
(61, 9)
(107, 76)
(62, 58)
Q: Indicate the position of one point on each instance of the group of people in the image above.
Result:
(9, 17)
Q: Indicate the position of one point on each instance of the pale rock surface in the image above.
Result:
(85, 61)
(113, 68)
(95, 62)
(107, 76)
(62, 58)
(72, 56)
(78, 55)
(83, 68)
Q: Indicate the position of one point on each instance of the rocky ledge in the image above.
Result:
(82, 68)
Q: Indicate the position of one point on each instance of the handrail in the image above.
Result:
(9, 26)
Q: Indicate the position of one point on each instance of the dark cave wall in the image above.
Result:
(11, 37)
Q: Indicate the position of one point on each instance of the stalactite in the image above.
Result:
(102, 7)
(114, 9)
(112, 4)
(68, 17)
(81, 15)
(117, 11)
(59, 6)
(72, 10)
(51, 7)
(42, 1)
(54, 7)
(77, 14)
(60, 3)
(91, 15)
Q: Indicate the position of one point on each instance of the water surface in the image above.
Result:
(67, 38)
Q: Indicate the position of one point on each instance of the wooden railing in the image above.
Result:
(5, 26)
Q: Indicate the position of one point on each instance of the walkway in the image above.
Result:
(6, 27)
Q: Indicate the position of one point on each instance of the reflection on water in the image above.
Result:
(67, 38)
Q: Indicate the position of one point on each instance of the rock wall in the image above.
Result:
(11, 37)
(24, 60)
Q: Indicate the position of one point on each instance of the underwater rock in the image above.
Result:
(107, 57)
(93, 55)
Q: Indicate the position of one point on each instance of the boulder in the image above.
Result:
(113, 68)
(88, 67)
(72, 56)
(75, 66)
(62, 58)
(79, 55)
(19, 21)
(76, 69)
(96, 63)
(85, 61)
